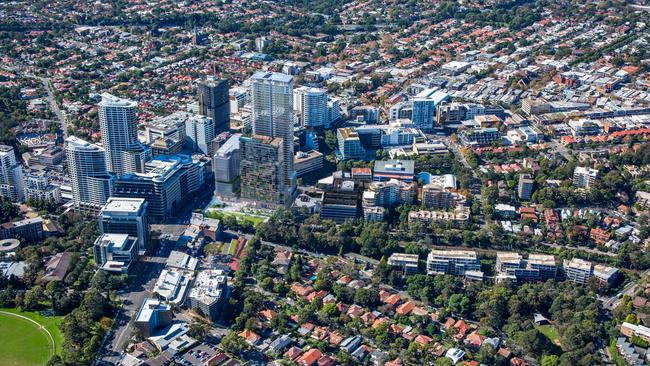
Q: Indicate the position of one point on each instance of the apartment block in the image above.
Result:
(455, 262)
(405, 263)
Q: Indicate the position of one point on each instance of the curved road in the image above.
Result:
(38, 326)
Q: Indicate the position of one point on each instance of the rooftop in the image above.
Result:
(109, 100)
(123, 205)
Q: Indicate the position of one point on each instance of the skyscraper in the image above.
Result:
(214, 102)
(200, 131)
(424, 108)
(311, 104)
(118, 125)
(262, 170)
(91, 183)
(272, 95)
(11, 175)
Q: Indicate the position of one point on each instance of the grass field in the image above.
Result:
(233, 246)
(23, 343)
(551, 333)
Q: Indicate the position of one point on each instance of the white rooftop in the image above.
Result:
(123, 205)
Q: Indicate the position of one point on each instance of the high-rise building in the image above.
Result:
(424, 108)
(272, 96)
(525, 186)
(119, 129)
(11, 175)
(200, 131)
(214, 102)
(262, 170)
(311, 104)
(126, 216)
(91, 183)
(226, 163)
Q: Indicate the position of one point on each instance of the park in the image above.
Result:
(28, 338)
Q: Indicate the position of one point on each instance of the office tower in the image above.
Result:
(584, 177)
(455, 262)
(263, 170)
(272, 95)
(226, 162)
(525, 186)
(11, 175)
(333, 111)
(311, 104)
(214, 102)
(200, 131)
(91, 183)
(118, 125)
(115, 252)
(38, 187)
(126, 216)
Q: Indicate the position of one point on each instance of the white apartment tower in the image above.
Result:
(119, 128)
(200, 131)
(311, 104)
(11, 175)
(91, 183)
(272, 96)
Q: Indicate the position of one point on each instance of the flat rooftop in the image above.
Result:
(123, 205)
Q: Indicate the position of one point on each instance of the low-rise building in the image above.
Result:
(307, 162)
(115, 252)
(579, 270)
(386, 170)
(455, 262)
(152, 316)
(536, 267)
(405, 263)
(209, 293)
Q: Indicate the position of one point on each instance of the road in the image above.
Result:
(142, 287)
(566, 153)
(613, 302)
(54, 106)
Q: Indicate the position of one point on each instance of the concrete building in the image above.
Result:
(173, 285)
(385, 170)
(341, 201)
(152, 316)
(115, 252)
(480, 136)
(349, 144)
(200, 131)
(584, 177)
(424, 108)
(27, 229)
(167, 127)
(226, 164)
(209, 293)
(525, 187)
(387, 194)
(307, 162)
(311, 105)
(91, 183)
(11, 175)
(455, 262)
(119, 129)
(373, 213)
(37, 187)
(262, 176)
(580, 271)
(272, 96)
(165, 185)
(629, 330)
(126, 216)
(536, 267)
(435, 196)
(214, 102)
(405, 263)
